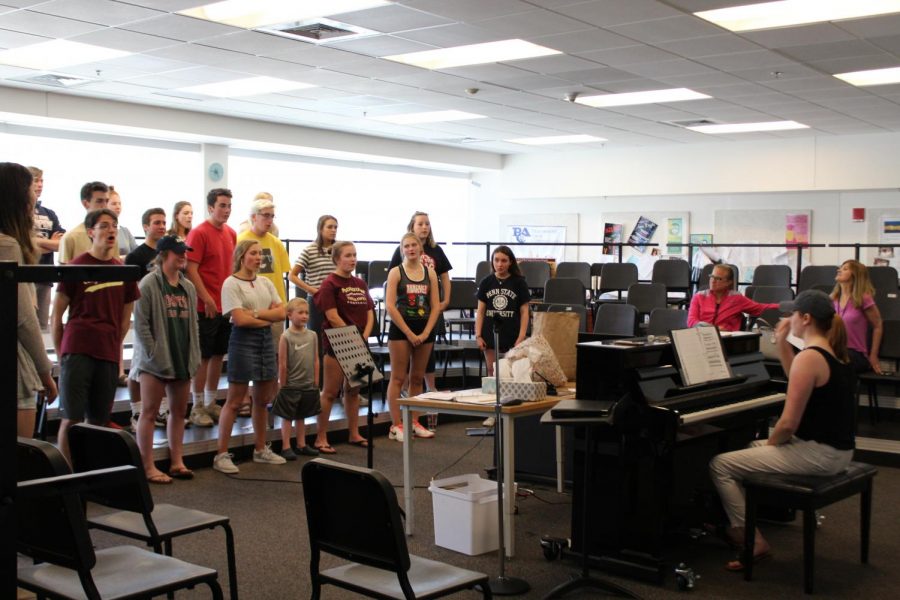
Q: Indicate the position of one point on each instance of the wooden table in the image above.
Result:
(508, 415)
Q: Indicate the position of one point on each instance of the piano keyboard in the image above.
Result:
(729, 409)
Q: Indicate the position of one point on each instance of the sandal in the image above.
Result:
(181, 473)
(738, 564)
(360, 443)
(159, 479)
(326, 449)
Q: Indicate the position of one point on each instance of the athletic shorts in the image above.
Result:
(416, 325)
(214, 334)
(87, 387)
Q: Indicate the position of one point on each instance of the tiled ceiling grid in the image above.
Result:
(608, 46)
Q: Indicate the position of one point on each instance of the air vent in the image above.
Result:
(318, 31)
(692, 123)
(59, 81)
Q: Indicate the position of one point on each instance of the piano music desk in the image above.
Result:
(508, 415)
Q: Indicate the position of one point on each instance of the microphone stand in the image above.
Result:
(502, 585)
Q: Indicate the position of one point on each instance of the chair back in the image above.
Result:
(482, 270)
(378, 272)
(675, 274)
(890, 341)
(777, 275)
(888, 306)
(617, 277)
(577, 270)
(94, 447)
(462, 295)
(884, 279)
(362, 270)
(564, 290)
(706, 272)
(352, 512)
(578, 309)
(770, 294)
(50, 523)
(616, 319)
(813, 276)
(664, 320)
(536, 273)
(647, 296)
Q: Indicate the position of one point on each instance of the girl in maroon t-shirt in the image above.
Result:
(345, 300)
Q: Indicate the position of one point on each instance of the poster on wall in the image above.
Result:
(701, 238)
(537, 234)
(642, 234)
(889, 233)
(612, 234)
(796, 228)
(674, 235)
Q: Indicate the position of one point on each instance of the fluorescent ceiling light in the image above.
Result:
(473, 54)
(557, 139)
(257, 13)
(250, 86)
(748, 127)
(785, 13)
(428, 117)
(632, 98)
(56, 54)
(872, 77)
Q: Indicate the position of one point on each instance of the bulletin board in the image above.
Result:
(645, 260)
(763, 226)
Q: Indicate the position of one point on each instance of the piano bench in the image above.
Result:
(808, 493)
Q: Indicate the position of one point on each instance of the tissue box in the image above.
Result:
(527, 391)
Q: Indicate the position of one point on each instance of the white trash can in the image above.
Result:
(465, 514)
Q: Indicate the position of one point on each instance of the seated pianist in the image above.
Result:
(721, 305)
(814, 435)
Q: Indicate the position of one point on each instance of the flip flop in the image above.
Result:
(181, 473)
(360, 443)
(161, 479)
(737, 565)
(326, 449)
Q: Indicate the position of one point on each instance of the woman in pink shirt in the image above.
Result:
(721, 305)
(852, 297)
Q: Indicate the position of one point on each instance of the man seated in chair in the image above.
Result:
(721, 305)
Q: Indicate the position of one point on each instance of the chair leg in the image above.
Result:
(232, 563)
(749, 532)
(215, 588)
(865, 522)
(873, 398)
(809, 548)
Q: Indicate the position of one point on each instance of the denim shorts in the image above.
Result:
(251, 355)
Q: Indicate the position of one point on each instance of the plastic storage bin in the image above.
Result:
(465, 514)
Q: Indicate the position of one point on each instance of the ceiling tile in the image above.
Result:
(317, 56)
(449, 36)
(532, 24)
(120, 39)
(392, 18)
(197, 54)
(470, 10)
(630, 55)
(845, 49)
(178, 27)
(578, 42)
(890, 43)
(253, 42)
(255, 65)
(15, 39)
(104, 12)
(745, 60)
(26, 21)
(856, 63)
(372, 67)
(596, 76)
(668, 68)
(381, 45)
(709, 46)
(785, 37)
(608, 13)
(667, 30)
(557, 63)
(869, 28)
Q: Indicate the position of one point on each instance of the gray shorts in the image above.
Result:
(87, 387)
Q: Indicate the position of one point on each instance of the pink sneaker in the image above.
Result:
(420, 431)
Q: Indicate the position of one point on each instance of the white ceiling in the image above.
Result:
(608, 45)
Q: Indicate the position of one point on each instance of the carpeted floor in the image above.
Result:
(266, 510)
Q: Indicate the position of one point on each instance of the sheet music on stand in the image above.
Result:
(352, 354)
(700, 356)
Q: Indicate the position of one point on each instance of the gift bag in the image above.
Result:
(560, 329)
(296, 403)
(540, 359)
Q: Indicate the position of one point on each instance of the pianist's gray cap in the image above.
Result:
(810, 302)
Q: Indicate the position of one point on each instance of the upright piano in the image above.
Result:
(650, 477)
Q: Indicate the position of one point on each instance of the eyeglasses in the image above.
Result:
(266, 215)
(106, 226)
(717, 278)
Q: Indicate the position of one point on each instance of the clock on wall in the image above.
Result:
(216, 171)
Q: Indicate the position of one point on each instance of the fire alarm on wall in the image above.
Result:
(859, 215)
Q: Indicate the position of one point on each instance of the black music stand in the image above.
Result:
(356, 362)
(584, 579)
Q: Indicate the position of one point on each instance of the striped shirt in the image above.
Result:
(315, 267)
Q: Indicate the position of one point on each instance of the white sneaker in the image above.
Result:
(489, 422)
(267, 456)
(396, 433)
(223, 463)
(200, 418)
(213, 410)
(420, 431)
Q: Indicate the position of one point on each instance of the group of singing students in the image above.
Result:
(208, 291)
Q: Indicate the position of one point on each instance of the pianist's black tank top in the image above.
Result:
(830, 416)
